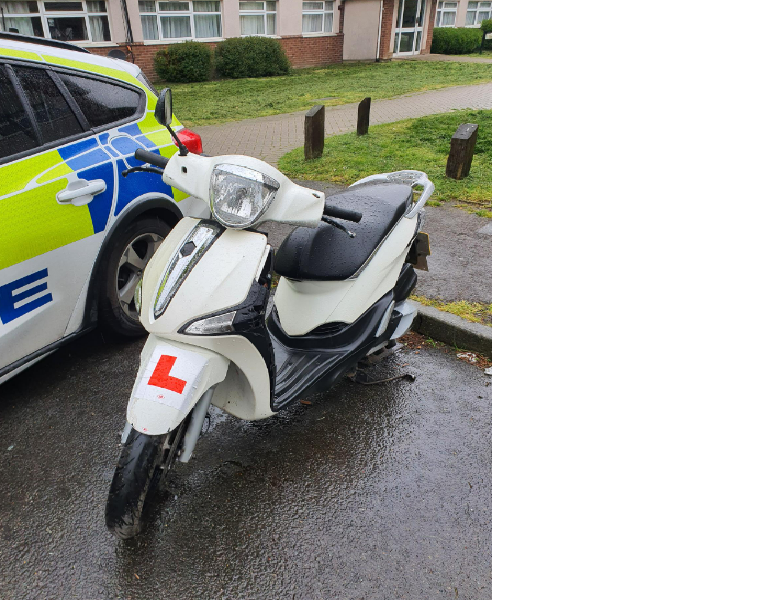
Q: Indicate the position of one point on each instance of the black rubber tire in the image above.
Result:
(113, 320)
(136, 478)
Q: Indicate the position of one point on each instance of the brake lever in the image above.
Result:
(336, 224)
(141, 169)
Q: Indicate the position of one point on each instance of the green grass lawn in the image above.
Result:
(419, 144)
(213, 102)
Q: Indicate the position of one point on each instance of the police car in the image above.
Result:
(75, 234)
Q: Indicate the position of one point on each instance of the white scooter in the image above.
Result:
(204, 299)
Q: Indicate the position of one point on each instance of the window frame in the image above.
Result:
(441, 10)
(43, 14)
(265, 12)
(322, 12)
(190, 13)
(86, 129)
(476, 11)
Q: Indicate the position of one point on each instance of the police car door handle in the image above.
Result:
(80, 192)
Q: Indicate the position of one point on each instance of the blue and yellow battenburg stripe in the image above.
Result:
(33, 222)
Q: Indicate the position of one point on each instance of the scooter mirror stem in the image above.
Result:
(183, 151)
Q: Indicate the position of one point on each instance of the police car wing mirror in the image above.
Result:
(164, 116)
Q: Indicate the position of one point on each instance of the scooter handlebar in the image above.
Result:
(142, 155)
(342, 214)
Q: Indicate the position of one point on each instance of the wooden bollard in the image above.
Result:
(363, 116)
(314, 132)
(462, 150)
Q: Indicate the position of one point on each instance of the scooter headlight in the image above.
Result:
(240, 195)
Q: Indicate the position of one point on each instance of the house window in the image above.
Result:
(477, 12)
(180, 20)
(258, 18)
(316, 17)
(446, 14)
(63, 21)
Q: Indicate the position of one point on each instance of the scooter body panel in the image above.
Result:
(246, 391)
(171, 379)
(220, 279)
(305, 305)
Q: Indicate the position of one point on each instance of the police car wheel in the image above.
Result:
(129, 255)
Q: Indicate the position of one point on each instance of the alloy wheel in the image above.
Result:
(131, 267)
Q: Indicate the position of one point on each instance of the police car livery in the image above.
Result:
(75, 234)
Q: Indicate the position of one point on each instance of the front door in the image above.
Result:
(411, 16)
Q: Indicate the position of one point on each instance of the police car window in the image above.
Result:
(101, 103)
(52, 113)
(16, 132)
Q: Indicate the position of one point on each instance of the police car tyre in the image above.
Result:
(136, 478)
(129, 253)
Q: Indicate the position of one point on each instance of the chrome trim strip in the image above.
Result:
(203, 235)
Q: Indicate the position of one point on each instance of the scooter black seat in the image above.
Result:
(326, 253)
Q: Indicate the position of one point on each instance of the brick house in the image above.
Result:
(313, 33)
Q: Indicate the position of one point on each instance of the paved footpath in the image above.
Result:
(268, 138)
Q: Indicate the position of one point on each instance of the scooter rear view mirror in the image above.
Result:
(164, 116)
(164, 108)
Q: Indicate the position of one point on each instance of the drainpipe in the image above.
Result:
(378, 40)
(128, 30)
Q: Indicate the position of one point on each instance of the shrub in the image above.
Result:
(184, 62)
(455, 41)
(251, 56)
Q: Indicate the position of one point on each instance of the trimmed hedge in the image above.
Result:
(184, 62)
(455, 41)
(251, 56)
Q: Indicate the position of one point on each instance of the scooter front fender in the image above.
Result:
(171, 379)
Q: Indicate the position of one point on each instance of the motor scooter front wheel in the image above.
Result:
(144, 461)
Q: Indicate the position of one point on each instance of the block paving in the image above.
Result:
(268, 138)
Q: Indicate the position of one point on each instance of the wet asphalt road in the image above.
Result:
(377, 492)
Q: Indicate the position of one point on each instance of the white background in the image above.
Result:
(631, 263)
